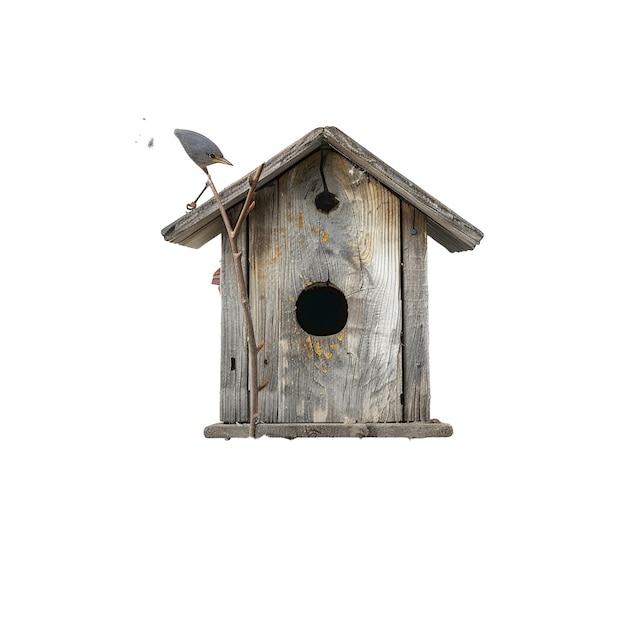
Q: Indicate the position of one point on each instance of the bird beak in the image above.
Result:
(222, 160)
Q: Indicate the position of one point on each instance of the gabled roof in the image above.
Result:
(446, 227)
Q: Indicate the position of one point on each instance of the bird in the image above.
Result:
(202, 151)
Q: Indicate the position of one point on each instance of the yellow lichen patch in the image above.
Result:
(324, 370)
(334, 346)
(318, 348)
(340, 337)
(322, 233)
(309, 346)
(329, 355)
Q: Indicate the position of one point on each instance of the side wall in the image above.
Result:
(234, 358)
(416, 385)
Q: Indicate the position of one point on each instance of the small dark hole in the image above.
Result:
(321, 309)
(232, 364)
(326, 201)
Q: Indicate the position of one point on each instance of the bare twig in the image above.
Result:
(242, 218)
(249, 204)
(253, 349)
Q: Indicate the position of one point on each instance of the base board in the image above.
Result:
(412, 430)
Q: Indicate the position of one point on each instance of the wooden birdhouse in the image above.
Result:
(335, 251)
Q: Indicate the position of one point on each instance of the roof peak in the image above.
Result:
(444, 225)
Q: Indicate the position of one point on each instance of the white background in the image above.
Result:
(116, 510)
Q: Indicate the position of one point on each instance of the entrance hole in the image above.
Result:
(321, 309)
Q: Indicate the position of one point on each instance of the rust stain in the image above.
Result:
(289, 217)
(300, 219)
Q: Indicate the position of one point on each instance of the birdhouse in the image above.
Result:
(335, 251)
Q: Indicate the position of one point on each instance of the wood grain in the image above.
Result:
(412, 430)
(353, 375)
(415, 322)
(234, 356)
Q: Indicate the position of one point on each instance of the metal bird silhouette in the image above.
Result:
(202, 151)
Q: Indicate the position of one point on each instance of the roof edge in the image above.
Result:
(196, 228)
(186, 228)
(437, 213)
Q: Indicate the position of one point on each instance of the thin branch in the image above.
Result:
(253, 183)
(253, 349)
(249, 203)
(242, 218)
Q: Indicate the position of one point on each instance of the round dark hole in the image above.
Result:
(326, 201)
(321, 309)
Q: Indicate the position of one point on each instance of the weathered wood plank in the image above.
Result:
(415, 323)
(234, 356)
(412, 430)
(355, 374)
(263, 227)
